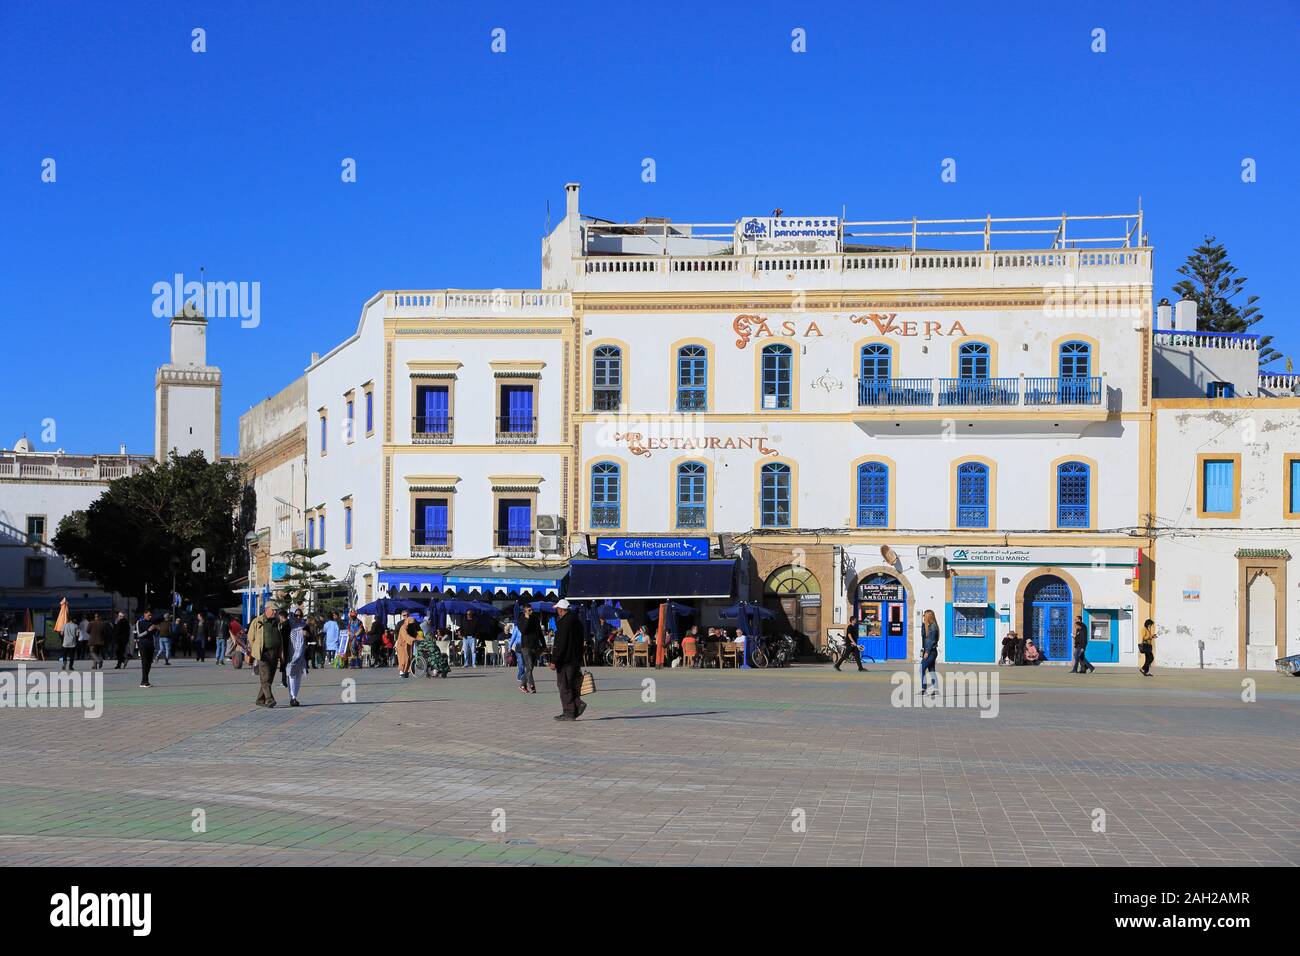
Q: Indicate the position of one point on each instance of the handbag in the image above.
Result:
(588, 684)
(1145, 647)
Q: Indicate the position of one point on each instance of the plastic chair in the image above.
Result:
(690, 653)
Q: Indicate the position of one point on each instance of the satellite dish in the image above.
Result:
(887, 553)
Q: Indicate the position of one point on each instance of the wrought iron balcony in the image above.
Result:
(692, 400)
(896, 391)
(431, 430)
(604, 516)
(516, 430)
(691, 516)
(514, 539)
(427, 540)
(605, 399)
(979, 391)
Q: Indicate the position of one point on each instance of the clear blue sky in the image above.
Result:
(230, 159)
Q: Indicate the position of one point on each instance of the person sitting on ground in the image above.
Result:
(1031, 652)
(1009, 647)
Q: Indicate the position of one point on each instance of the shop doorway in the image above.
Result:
(794, 595)
(1048, 606)
(882, 617)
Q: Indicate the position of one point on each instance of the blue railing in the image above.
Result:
(1063, 391)
(896, 391)
(979, 391)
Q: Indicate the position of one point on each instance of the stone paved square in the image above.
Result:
(718, 770)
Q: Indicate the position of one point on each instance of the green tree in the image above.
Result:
(173, 520)
(304, 577)
(1212, 282)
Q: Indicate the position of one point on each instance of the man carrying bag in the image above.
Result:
(266, 647)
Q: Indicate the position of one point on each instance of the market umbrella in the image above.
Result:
(62, 619)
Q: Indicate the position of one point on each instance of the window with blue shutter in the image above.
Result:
(514, 523)
(605, 497)
(370, 412)
(1221, 390)
(1073, 497)
(873, 495)
(517, 408)
(311, 533)
(877, 362)
(1075, 360)
(431, 522)
(1295, 486)
(972, 495)
(324, 432)
(970, 612)
(347, 525)
(692, 378)
(774, 496)
(434, 404)
(1218, 484)
(777, 372)
(692, 488)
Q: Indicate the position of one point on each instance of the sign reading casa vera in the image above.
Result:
(653, 549)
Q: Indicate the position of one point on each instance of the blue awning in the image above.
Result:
(396, 581)
(652, 579)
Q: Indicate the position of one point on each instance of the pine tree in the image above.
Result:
(304, 577)
(1212, 283)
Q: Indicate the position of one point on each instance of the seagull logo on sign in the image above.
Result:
(609, 545)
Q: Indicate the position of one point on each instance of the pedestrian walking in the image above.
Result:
(221, 630)
(146, 632)
(98, 629)
(237, 646)
(1081, 663)
(266, 647)
(297, 652)
(929, 649)
(851, 648)
(331, 638)
(83, 638)
(531, 644)
(71, 637)
(566, 661)
(309, 632)
(1148, 647)
(284, 657)
(166, 631)
(200, 637)
(121, 639)
(468, 645)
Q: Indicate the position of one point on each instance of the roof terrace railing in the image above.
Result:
(1178, 338)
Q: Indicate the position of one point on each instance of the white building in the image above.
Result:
(869, 426)
(1227, 476)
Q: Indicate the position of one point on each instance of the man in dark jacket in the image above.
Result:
(121, 639)
(851, 648)
(531, 644)
(566, 661)
(1081, 663)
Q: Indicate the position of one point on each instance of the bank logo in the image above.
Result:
(76, 909)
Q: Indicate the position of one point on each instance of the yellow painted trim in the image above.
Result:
(795, 350)
(860, 413)
(712, 370)
(512, 450)
(501, 412)
(585, 498)
(412, 496)
(1245, 401)
(1054, 491)
(758, 489)
(368, 393)
(421, 365)
(517, 365)
(891, 518)
(515, 479)
(1094, 357)
(432, 479)
(450, 385)
(589, 376)
(1201, 459)
(993, 491)
(1286, 486)
(993, 354)
(708, 494)
(324, 430)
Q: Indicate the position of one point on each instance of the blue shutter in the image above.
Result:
(370, 412)
(873, 495)
(311, 532)
(972, 496)
(1218, 486)
(1073, 498)
(1295, 486)
(347, 525)
(435, 410)
(518, 525)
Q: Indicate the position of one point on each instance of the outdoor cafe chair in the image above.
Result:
(639, 651)
(730, 652)
(622, 654)
(690, 652)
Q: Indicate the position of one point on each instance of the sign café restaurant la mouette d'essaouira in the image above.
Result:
(653, 549)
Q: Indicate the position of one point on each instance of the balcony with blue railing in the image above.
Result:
(984, 392)
(1063, 391)
(896, 391)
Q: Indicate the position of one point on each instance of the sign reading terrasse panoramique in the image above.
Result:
(653, 549)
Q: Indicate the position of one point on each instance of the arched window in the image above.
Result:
(607, 378)
(877, 362)
(692, 378)
(778, 373)
(973, 360)
(1076, 360)
(791, 579)
(692, 490)
(873, 495)
(1072, 495)
(605, 495)
(774, 496)
(972, 495)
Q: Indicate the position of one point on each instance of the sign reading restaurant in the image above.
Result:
(639, 444)
(653, 549)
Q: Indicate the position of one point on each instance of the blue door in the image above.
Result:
(882, 618)
(435, 411)
(1047, 615)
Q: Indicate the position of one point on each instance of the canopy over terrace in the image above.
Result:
(651, 580)
(487, 581)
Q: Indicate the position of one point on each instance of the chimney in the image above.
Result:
(573, 220)
(571, 200)
(1185, 315)
(1164, 315)
(121, 449)
(315, 357)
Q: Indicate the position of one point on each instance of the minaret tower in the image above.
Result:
(187, 392)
